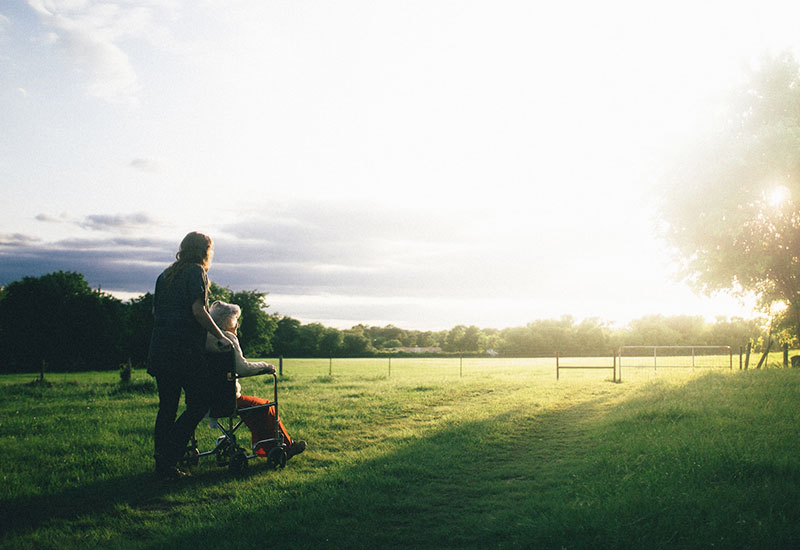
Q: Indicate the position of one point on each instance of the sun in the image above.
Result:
(778, 196)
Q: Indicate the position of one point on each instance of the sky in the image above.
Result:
(417, 163)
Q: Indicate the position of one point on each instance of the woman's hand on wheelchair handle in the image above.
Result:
(224, 344)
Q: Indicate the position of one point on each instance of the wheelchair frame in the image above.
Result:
(227, 450)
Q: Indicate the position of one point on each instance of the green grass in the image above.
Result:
(441, 454)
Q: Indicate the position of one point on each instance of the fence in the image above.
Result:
(379, 364)
(653, 357)
(676, 357)
(559, 367)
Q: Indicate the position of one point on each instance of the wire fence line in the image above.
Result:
(460, 367)
(399, 366)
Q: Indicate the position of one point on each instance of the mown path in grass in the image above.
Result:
(691, 461)
(455, 468)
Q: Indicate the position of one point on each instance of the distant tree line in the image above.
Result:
(56, 322)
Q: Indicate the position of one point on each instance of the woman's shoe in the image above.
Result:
(171, 473)
(295, 448)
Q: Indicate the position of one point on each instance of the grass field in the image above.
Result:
(432, 454)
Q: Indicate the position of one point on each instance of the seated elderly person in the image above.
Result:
(262, 422)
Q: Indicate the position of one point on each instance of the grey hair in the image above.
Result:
(224, 313)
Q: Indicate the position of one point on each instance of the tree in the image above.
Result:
(731, 204)
(474, 340)
(426, 339)
(592, 336)
(454, 338)
(140, 327)
(221, 293)
(331, 342)
(285, 340)
(308, 340)
(516, 341)
(735, 332)
(58, 320)
(257, 327)
(354, 342)
(653, 330)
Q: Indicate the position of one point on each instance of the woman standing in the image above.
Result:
(176, 357)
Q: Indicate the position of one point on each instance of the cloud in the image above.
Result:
(129, 267)
(305, 248)
(337, 261)
(114, 264)
(367, 250)
(17, 240)
(90, 33)
(146, 165)
(47, 218)
(64, 217)
(118, 222)
(426, 296)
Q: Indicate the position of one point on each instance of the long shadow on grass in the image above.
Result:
(142, 491)
(663, 473)
(24, 514)
(431, 484)
(498, 482)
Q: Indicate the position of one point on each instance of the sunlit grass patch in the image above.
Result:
(424, 459)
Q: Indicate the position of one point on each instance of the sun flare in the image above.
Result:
(778, 196)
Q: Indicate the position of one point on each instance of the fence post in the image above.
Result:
(747, 355)
(330, 366)
(614, 353)
(785, 355)
(280, 365)
(740, 357)
(765, 356)
(556, 365)
(390, 366)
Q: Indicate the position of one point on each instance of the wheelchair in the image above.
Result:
(228, 419)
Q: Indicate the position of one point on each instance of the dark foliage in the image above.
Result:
(57, 323)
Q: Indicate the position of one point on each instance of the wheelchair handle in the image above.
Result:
(274, 382)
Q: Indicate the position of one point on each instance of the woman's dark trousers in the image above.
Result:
(170, 435)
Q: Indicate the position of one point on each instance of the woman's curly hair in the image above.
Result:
(196, 249)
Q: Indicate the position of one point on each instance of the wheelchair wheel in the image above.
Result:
(276, 458)
(238, 462)
(223, 452)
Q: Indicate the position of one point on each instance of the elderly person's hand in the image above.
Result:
(269, 369)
